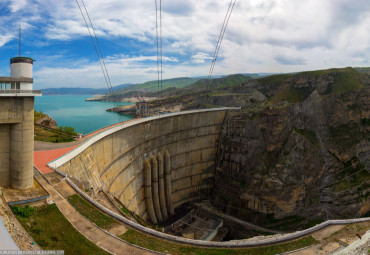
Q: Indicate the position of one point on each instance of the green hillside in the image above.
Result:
(296, 87)
(152, 86)
(227, 81)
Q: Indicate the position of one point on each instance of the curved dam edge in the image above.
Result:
(209, 244)
(73, 153)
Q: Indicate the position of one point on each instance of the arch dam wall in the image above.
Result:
(114, 159)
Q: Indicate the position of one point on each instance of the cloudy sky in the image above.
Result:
(262, 36)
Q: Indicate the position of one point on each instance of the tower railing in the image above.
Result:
(20, 91)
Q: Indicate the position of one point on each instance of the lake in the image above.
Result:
(74, 111)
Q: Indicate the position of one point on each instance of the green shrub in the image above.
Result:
(24, 212)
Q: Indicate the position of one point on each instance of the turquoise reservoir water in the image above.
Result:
(74, 111)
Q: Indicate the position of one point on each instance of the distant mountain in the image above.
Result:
(149, 86)
(258, 75)
(81, 91)
(152, 86)
(200, 86)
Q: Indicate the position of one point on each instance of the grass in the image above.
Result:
(344, 79)
(51, 230)
(23, 211)
(155, 244)
(346, 135)
(125, 211)
(45, 135)
(351, 175)
(90, 212)
(38, 115)
(313, 223)
(291, 94)
(152, 243)
(308, 134)
(289, 223)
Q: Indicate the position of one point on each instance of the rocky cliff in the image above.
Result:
(304, 153)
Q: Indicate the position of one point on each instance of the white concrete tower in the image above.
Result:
(21, 67)
(16, 125)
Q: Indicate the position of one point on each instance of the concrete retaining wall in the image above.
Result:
(114, 159)
(16, 142)
(4, 155)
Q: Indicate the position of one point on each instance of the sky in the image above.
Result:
(263, 36)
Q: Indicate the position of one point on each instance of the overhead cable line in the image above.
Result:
(98, 52)
(101, 54)
(92, 40)
(159, 49)
(220, 38)
(160, 29)
(157, 40)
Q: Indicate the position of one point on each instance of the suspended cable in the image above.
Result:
(160, 29)
(98, 52)
(220, 38)
(157, 39)
(159, 49)
(101, 54)
(223, 33)
(92, 40)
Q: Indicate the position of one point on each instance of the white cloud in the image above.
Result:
(16, 5)
(127, 59)
(262, 36)
(200, 58)
(4, 39)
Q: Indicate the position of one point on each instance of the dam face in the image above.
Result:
(114, 159)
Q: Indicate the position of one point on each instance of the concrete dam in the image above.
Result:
(151, 165)
(158, 164)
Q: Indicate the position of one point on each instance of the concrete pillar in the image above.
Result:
(148, 192)
(4, 155)
(156, 204)
(162, 196)
(21, 148)
(168, 183)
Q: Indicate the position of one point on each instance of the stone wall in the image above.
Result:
(114, 161)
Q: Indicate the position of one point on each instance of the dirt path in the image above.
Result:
(340, 239)
(89, 230)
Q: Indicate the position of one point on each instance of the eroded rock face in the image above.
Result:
(47, 121)
(309, 158)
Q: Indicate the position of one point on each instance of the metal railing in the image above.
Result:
(20, 91)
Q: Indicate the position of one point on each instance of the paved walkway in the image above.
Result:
(41, 158)
(45, 152)
(45, 146)
(86, 228)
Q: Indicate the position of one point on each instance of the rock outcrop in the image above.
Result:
(306, 154)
